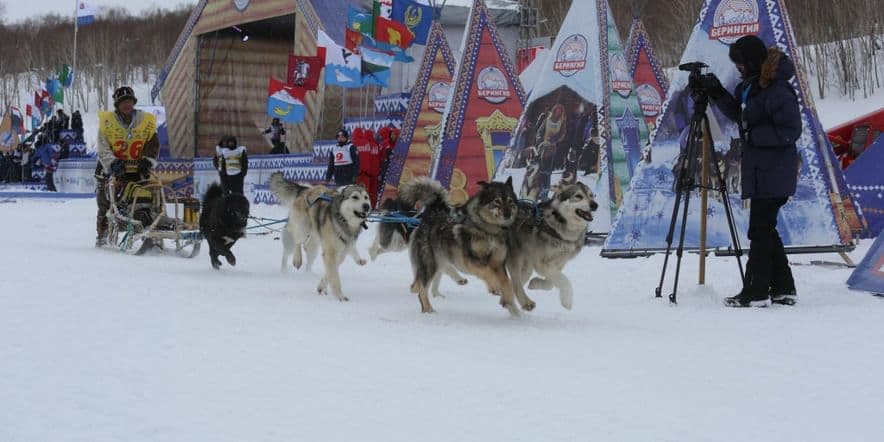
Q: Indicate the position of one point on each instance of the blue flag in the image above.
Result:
(417, 18)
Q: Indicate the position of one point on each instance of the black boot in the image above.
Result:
(747, 300)
(784, 297)
(101, 231)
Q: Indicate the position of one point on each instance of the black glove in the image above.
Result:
(118, 168)
(144, 167)
(713, 86)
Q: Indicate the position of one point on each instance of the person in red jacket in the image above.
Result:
(369, 165)
(387, 136)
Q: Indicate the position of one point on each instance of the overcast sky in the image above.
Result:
(17, 10)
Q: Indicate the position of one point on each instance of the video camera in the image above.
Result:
(699, 82)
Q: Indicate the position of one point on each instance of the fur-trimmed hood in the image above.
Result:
(776, 66)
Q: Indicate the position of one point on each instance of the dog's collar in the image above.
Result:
(546, 228)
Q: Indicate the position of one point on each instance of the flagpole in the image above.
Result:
(74, 69)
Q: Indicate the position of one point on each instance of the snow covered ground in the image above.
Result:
(98, 346)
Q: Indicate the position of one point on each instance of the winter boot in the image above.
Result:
(101, 231)
(746, 300)
(784, 297)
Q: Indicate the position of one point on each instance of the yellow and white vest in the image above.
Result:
(232, 158)
(127, 143)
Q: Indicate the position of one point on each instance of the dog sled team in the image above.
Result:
(493, 236)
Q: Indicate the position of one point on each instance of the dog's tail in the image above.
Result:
(424, 190)
(286, 191)
(214, 192)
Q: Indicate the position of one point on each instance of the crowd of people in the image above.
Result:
(42, 148)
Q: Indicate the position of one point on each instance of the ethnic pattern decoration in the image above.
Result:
(414, 150)
(820, 213)
(651, 84)
(461, 161)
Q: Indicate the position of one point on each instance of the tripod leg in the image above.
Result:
(728, 211)
(684, 185)
(679, 251)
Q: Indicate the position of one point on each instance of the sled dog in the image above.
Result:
(222, 222)
(394, 237)
(547, 236)
(322, 217)
(472, 240)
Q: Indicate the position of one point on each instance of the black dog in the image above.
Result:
(223, 220)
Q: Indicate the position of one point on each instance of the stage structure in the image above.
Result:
(214, 82)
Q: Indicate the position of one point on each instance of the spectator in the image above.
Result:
(369, 165)
(77, 126)
(50, 168)
(343, 163)
(276, 131)
(26, 161)
(232, 164)
(64, 121)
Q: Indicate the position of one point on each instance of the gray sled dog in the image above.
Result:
(394, 237)
(322, 217)
(546, 237)
(472, 240)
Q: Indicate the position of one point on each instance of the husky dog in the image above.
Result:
(322, 217)
(394, 237)
(473, 240)
(545, 237)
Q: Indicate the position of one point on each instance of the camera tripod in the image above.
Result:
(698, 145)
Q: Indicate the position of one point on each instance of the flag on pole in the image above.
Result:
(360, 21)
(18, 121)
(342, 66)
(44, 102)
(304, 71)
(417, 18)
(85, 13)
(286, 102)
(66, 75)
(8, 134)
(382, 8)
(55, 90)
(376, 67)
(392, 32)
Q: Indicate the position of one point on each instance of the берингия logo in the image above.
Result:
(571, 57)
(493, 85)
(734, 19)
(438, 96)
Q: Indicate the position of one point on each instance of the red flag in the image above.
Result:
(392, 32)
(29, 110)
(37, 99)
(352, 40)
(304, 71)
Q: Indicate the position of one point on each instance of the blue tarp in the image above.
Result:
(865, 181)
(869, 274)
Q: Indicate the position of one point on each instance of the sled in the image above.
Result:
(140, 221)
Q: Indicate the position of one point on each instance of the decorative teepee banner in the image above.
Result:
(583, 120)
(651, 84)
(421, 130)
(482, 109)
(817, 215)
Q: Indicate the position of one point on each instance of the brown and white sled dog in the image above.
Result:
(394, 237)
(322, 217)
(546, 237)
(472, 240)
